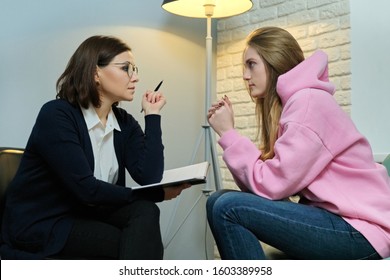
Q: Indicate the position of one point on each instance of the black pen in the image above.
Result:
(156, 89)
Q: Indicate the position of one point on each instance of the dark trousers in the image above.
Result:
(130, 232)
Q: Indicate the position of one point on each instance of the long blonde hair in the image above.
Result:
(280, 53)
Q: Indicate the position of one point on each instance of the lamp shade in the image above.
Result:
(198, 8)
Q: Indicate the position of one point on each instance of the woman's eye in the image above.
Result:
(251, 64)
(125, 68)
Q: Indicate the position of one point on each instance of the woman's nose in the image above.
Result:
(246, 76)
(135, 77)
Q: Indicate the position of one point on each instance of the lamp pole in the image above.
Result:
(209, 136)
(210, 149)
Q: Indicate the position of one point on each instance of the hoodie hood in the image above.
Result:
(310, 73)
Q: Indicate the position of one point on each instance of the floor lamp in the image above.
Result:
(208, 9)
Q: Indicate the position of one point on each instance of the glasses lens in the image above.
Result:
(134, 69)
(131, 70)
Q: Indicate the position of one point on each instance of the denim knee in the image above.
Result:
(211, 201)
(214, 197)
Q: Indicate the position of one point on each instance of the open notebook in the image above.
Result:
(193, 174)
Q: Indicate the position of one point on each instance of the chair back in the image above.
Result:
(9, 163)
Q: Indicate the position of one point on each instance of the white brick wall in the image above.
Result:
(316, 24)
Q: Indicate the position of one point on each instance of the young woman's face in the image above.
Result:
(116, 81)
(255, 74)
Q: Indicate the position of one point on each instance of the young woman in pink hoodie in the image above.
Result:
(309, 147)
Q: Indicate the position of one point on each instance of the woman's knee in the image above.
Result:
(217, 201)
(213, 198)
(137, 210)
(146, 208)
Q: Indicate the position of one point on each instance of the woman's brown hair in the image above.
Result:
(280, 53)
(77, 84)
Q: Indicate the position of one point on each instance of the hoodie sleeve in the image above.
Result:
(299, 158)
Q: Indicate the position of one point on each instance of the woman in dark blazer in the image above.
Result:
(68, 198)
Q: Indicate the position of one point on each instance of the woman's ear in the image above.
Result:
(97, 76)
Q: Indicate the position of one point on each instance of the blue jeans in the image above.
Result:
(238, 220)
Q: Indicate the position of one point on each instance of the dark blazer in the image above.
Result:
(55, 180)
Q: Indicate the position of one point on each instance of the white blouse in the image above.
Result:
(102, 139)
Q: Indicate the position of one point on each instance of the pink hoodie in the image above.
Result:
(319, 155)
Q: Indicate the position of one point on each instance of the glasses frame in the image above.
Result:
(131, 70)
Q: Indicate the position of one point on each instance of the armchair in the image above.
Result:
(9, 163)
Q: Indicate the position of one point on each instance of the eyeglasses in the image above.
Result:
(128, 67)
